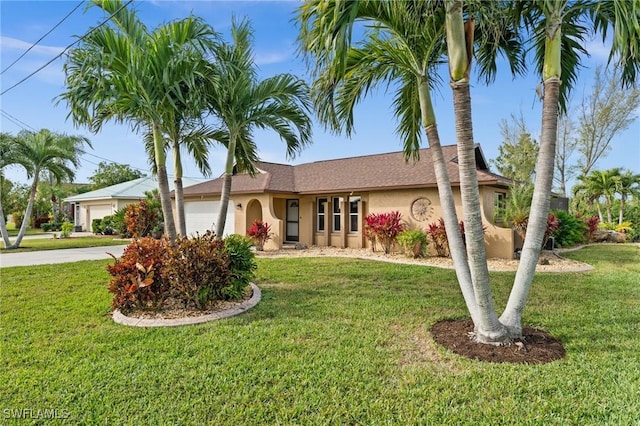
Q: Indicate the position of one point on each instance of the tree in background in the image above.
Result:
(627, 186)
(609, 109)
(7, 158)
(108, 174)
(565, 148)
(596, 188)
(518, 152)
(40, 153)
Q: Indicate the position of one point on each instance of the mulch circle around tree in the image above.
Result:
(537, 346)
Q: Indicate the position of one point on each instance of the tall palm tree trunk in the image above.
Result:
(163, 184)
(3, 228)
(179, 191)
(488, 329)
(27, 213)
(447, 202)
(512, 316)
(226, 187)
(539, 212)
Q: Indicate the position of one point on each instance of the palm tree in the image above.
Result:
(596, 186)
(188, 134)
(627, 184)
(7, 158)
(125, 73)
(241, 103)
(45, 152)
(560, 28)
(401, 50)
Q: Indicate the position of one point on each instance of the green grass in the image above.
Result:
(333, 341)
(30, 231)
(63, 243)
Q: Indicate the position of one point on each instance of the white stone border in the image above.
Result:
(120, 318)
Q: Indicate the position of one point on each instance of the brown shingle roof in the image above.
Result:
(366, 173)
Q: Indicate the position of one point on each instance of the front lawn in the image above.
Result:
(50, 243)
(333, 341)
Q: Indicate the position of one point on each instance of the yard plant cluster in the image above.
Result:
(390, 231)
(194, 271)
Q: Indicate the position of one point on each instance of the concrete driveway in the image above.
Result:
(59, 256)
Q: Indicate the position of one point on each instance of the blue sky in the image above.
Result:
(31, 104)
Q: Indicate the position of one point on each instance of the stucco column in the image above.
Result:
(328, 221)
(344, 220)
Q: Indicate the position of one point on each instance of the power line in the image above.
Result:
(16, 121)
(41, 38)
(67, 48)
(24, 126)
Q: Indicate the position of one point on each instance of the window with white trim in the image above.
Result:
(499, 204)
(321, 206)
(336, 212)
(353, 214)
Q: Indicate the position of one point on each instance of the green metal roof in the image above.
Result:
(132, 189)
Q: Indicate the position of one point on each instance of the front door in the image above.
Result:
(293, 216)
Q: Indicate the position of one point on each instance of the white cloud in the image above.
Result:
(13, 44)
(597, 49)
(268, 58)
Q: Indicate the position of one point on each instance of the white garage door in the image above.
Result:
(202, 215)
(98, 211)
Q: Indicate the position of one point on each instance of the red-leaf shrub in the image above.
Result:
(592, 226)
(438, 235)
(259, 232)
(552, 225)
(141, 218)
(197, 270)
(137, 280)
(385, 227)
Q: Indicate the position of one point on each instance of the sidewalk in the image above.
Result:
(45, 257)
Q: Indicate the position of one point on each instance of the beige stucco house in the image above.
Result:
(325, 203)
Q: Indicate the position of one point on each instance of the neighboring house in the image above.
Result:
(106, 201)
(325, 203)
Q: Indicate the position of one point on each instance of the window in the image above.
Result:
(321, 203)
(353, 214)
(337, 202)
(499, 204)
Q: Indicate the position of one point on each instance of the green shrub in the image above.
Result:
(46, 227)
(242, 264)
(65, 229)
(571, 230)
(107, 225)
(96, 226)
(414, 242)
(38, 221)
(137, 279)
(197, 270)
(11, 226)
(119, 226)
